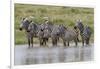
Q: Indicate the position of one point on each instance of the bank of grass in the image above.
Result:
(57, 14)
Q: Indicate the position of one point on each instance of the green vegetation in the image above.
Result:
(57, 14)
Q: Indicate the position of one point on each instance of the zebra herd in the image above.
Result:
(48, 30)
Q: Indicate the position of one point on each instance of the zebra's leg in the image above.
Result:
(64, 43)
(28, 43)
(68, 43)
(82, 42)
(47, 39)
(44, 41)
(87, 41)
(32, 41)
(41, 43)
(76, 41)
(53, 41)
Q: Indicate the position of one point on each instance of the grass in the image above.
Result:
(57, 14)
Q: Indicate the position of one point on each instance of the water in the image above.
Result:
(42, 55)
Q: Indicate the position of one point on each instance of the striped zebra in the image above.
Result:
(45, 31)
(68, 34)
(85, 32)
(30, 29)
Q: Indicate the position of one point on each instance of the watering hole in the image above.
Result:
(52, 54)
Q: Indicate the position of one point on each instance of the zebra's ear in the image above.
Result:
(30, 21)
(22, 18)
(75, 27)
(31, 17)
(78, 20)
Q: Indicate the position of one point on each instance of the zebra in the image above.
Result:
(85, 32)
(55, 35)
(25, 22)
(67, 35)
(45, 31)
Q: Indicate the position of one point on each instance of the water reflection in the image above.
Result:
(41, 55)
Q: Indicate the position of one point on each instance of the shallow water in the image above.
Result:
(57, 54)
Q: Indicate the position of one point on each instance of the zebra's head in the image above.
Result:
(46, 18)
(79, 25)
(24, 24)
(32, 28)
(61, 30)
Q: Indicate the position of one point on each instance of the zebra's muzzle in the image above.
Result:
(28, 31)
(20, 29)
